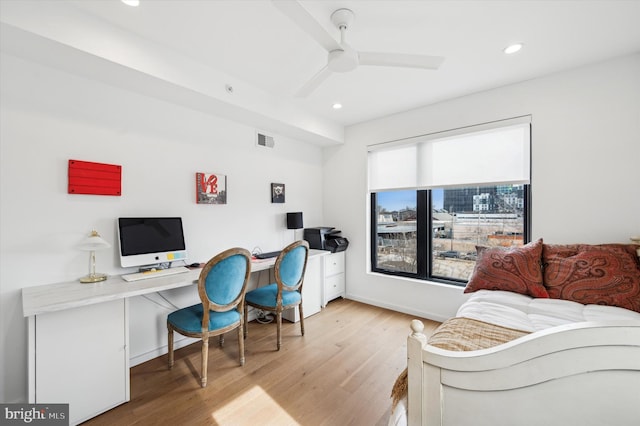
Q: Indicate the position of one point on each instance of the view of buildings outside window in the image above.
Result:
(460, 220)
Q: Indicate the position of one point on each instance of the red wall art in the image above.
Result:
(211, 188)
(94, 178)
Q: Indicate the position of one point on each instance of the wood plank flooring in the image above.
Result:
(340, 373)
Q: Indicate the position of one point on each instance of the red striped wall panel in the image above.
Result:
(94, 178)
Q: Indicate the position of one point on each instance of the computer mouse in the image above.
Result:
(195, 265)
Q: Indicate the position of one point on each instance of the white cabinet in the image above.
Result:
(80, 356)
(334, 277)
(311, 290)
(324, 280)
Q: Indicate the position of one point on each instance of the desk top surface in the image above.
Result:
(71, 294)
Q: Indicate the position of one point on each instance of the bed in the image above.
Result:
(514, 355)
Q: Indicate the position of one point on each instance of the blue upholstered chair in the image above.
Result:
(286, 292)
(221, 286)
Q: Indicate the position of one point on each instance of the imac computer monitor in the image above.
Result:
(148, 241)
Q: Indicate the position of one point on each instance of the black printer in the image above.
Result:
(325, 238)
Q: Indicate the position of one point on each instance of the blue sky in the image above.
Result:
(398, 200)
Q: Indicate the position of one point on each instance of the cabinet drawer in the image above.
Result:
(334, 286)
(334, 264)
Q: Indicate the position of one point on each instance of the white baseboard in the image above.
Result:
(418, 313)
(177, 344)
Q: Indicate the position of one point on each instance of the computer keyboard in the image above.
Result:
(267, 255)
(154, 273)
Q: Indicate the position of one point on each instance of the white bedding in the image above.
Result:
(524, 313)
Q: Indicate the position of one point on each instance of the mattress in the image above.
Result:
(524, 313)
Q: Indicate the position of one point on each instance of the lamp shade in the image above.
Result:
(294, 220)
(93, 242)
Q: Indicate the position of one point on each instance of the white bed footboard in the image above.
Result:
(579, 374)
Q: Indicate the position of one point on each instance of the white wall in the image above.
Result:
(49, 116)
(585, 170)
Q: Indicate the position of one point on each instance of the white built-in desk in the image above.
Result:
(78, 344)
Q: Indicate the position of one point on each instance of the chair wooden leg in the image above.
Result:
(301, 319)
(170, 345)
(205, 358)
(241, 342)
(246, 312)
(279, 326)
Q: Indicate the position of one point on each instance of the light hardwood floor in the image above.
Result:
(340, 373)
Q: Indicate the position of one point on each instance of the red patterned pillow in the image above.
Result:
(515, 269)
(606, 274)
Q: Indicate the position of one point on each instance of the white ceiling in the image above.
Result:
(252, 41)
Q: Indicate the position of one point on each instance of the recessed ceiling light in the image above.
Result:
(134, 3)
(337, 106)
(512, 48)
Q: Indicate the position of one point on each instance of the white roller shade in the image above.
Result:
(488, 157)
(489, 154)
(394, 168)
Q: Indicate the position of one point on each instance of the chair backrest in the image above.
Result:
(291, 265)
(223, 280)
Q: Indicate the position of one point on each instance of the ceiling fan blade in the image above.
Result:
(400, 60)
(315, 81)
(299, 15)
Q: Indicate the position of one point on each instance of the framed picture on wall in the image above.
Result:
(277, 192)
(211, 188)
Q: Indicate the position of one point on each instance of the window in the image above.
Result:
(434, 199)
(396, 231)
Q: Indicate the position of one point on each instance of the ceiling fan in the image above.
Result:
(342, 57)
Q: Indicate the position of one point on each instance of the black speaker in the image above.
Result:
(294, 220)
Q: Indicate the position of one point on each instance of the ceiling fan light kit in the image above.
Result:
(344, 60)
(342, 57)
